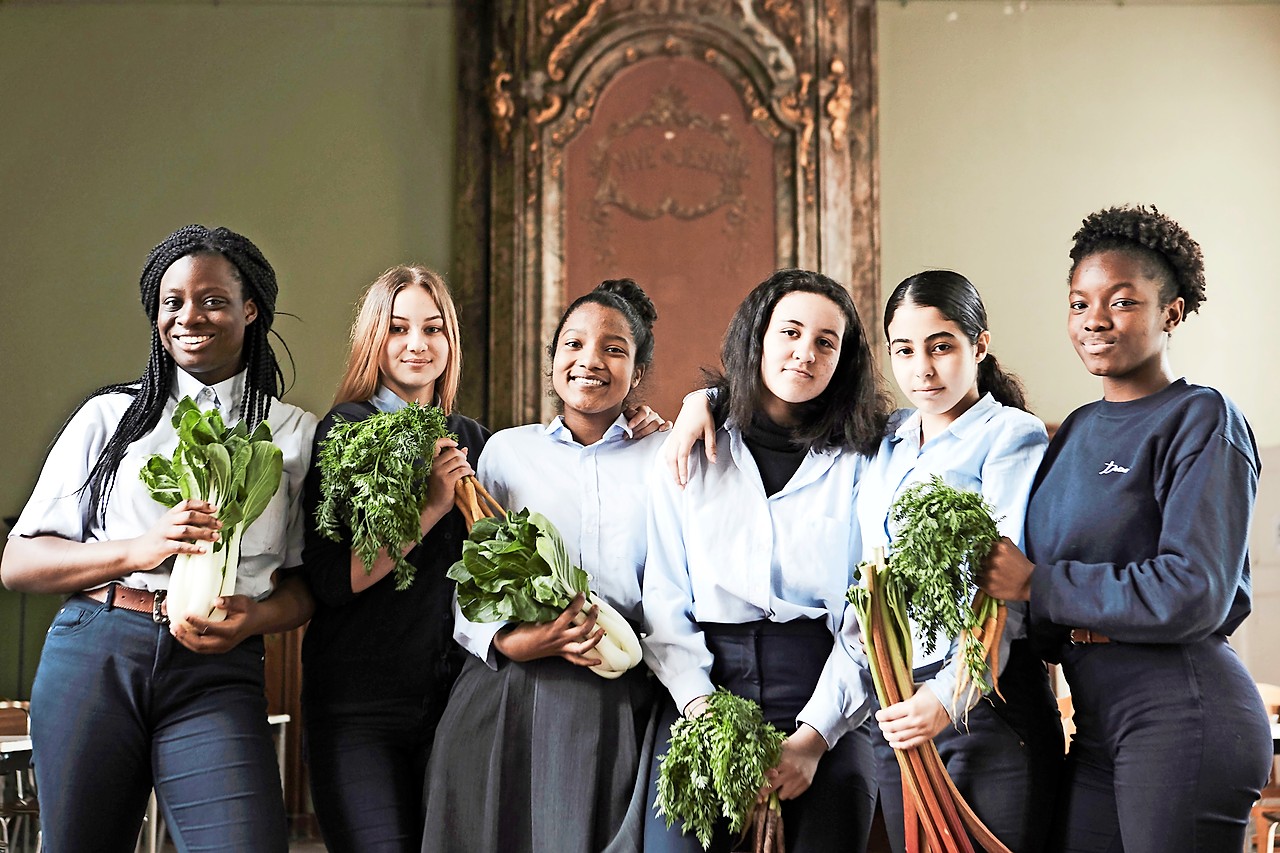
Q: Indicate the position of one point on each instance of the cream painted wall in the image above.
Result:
(324, 134)
(1000, 131)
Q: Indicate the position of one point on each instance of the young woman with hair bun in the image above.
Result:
(535, 752)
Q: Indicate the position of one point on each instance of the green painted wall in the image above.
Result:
(325, 134)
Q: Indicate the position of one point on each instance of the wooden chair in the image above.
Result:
(19, 809)
(1266, 812)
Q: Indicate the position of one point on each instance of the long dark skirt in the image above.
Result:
(541, 756)
(777, 665)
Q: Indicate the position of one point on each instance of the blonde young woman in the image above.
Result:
(378, 663)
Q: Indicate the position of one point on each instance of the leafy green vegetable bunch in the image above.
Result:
(237, 471)
(512, 569)
(373, 482)
(716, 765)
(943, 533)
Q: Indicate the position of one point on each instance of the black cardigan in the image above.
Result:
(382, 643)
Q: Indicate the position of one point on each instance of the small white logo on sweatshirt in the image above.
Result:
(1112, 468)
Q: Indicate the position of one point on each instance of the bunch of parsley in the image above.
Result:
(715, 765)
(374, 482)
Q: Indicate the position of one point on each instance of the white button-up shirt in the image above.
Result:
(721, 550)
(991, 449)
(59, 507)
(596, 496)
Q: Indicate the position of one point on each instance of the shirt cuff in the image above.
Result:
(689, 686)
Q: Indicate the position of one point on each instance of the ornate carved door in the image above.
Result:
(694, 145)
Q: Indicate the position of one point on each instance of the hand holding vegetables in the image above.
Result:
(188, 527)
(516, 568)
(237, 472)
(716, 766)
(1006, 572)
(567, 636)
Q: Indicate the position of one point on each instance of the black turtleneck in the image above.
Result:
(777, 454)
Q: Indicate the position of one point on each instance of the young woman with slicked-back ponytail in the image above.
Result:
(123, 701)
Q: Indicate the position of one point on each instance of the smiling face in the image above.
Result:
(202, 317)
(416, 351)
(934, 364)
(1119, 324)
(594, 368)
(799, 353)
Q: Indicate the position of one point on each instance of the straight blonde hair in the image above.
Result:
(373, 323)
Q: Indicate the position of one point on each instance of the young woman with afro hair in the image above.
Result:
(1136, 566)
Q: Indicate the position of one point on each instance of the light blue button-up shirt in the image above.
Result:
(721, 550)
(992, 449)
(596, 496)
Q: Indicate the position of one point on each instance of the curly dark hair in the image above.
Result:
(1149, 234)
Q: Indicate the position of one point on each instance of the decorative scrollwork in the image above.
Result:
(796, 108)
(839, 103)
(718, 154)
(502, 107)
(555, 63)
(788, 20)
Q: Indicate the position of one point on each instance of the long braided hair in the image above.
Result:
(264, 380)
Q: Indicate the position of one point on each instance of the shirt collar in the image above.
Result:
(225, 395)
(977, 415)
(617, 430)
(386, 400)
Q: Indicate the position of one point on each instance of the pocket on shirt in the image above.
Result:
(820, 561)
(266, 535)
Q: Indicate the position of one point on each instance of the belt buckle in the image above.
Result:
(156, 603)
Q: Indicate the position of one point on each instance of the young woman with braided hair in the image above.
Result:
(124, 702)
(1137, 568)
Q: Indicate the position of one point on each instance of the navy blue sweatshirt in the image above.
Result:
(1139, 520)
(382, 643)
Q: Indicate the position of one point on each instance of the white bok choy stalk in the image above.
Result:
(619, 648)
(236, 471)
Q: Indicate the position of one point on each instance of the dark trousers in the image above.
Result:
(777, 665)
(1170, 751)
(1005, 762)
(367, 764)
(119, 707)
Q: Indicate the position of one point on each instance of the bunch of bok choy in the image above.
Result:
(515, 567)
(235, 470)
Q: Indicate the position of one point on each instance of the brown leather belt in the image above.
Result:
(1081, 636)
(128, 598)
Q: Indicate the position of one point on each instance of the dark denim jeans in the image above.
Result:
(1170, 751)
(368, 764)
(119, 707)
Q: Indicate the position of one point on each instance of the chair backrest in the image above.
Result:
(1270, 698)
(14, 721)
